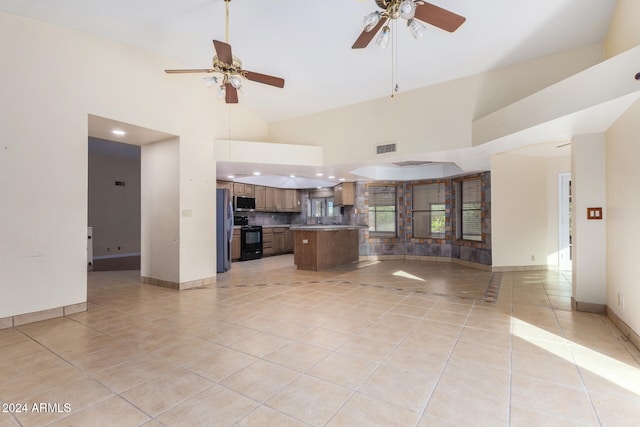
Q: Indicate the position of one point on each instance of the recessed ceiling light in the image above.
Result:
(292, 176)
(319, 188)
(342, 179)
(231, 176)
(118, 132)
(256, 173)
(319, 174)
(331, 177)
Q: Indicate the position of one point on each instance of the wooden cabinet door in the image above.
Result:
(225, 184)
(288, 241)
(235, 245)
(298, 202)
(279, 200)
(344, 194)
(337, 195)
(267, 241)
(249, 190)
(238, 189)
(293, 200)
(278, 241)
(261, 198)
(348, 193)
(289, 200)
(270, 199)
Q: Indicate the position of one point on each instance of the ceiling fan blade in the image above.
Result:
(223, 50)
(366, 36)
(263, 78)
(439, 17)
(231, 94)
(195, 70)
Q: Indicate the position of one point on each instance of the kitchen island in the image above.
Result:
(321, 247)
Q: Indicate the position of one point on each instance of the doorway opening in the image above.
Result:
(114, 205)
(565, 225)
(115, 193)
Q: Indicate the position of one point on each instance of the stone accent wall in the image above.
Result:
(404, 245)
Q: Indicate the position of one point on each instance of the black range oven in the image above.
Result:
(250, 242)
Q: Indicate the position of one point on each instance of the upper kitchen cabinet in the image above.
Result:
(344, 194)
(246, 190)
(291, 200)
(279, 200)
(261, 198)
(225, 184)
(270, 199)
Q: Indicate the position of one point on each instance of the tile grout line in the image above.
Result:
(444, 367)
(573, 357)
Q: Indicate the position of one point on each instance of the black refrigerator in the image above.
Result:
(224, 229)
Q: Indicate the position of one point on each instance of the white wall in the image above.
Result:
(519, 210)
(52, 78)
(623, 31)
(160, 235)
(429, 119)
(623, 226)
(588, 187)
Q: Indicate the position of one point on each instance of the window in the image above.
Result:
(429, 219)
(321, 207)
(469, 210)
(382, 211)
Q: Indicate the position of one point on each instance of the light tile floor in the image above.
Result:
(393, 343)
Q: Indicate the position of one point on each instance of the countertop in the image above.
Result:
(335, 227)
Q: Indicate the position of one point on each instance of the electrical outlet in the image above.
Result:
(533, 257)
(622, 301)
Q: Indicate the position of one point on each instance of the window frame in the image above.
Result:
(460, 210)
(373, 209)
(430, 211)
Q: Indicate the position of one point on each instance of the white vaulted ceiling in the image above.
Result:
(309, 42)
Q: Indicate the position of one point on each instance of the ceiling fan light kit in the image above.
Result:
(415, 12)
(229, 68)
(416, 28)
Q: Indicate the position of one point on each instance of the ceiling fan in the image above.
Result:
(230, 69)
(413, 11)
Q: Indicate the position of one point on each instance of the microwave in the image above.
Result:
(244, 204)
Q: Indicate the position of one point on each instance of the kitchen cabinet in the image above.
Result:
(277, 245)
(267, 241)
(291, 200)
(261, 198)
(246, 190)
(225, 184)
(270, 199)
(288, 241)
(279, 200)
(323, 247)
(235, 245)
(276, 240)
(344, 194)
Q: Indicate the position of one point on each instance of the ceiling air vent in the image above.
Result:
(386, 148)
(412, 163)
